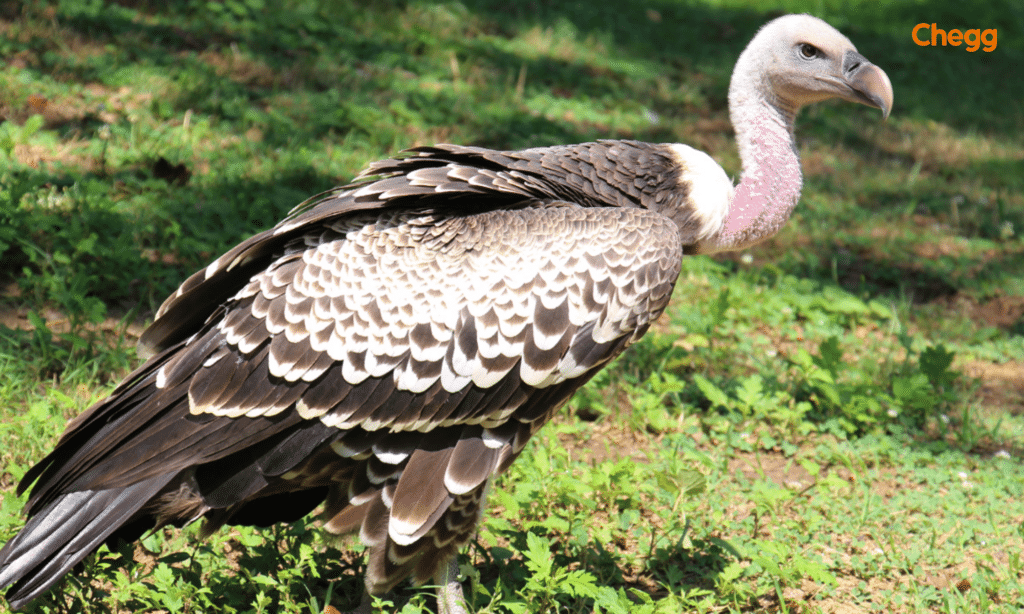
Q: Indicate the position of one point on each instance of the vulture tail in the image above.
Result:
(66, 531)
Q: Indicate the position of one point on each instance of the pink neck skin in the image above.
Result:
(770, 184)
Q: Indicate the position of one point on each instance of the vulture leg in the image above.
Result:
(450, 599)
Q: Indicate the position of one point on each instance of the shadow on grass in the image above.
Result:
(122, 253)
(669, 568)
(292, 41)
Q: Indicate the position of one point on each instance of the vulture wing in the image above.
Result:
(389, 358)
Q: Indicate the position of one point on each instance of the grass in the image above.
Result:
(830, 422)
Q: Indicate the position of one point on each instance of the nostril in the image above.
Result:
(852, 61)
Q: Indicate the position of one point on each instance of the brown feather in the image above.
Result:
(421, 493)
(471, 463)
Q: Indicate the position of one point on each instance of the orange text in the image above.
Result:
(974, 39)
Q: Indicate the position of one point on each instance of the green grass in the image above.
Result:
(830, 419)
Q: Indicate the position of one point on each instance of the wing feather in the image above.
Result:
(421, 496)
(472, 462)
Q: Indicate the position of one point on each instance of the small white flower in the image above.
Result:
(747, 258)
(962, 475)
(1002, 454)
(893, 413)
(944, 418)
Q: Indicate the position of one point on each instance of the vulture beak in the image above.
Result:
(867, 83)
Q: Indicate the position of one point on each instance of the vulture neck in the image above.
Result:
(770, 183)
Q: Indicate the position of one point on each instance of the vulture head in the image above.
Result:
(798, 60)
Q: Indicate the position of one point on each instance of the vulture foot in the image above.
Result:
(450, 599)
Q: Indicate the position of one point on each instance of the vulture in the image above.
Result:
(390, 347)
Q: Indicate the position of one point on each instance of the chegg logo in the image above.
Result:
(974, 38)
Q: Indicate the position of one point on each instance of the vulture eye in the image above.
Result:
(809, 51)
